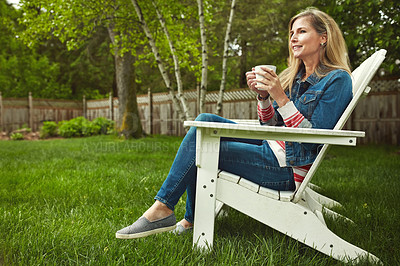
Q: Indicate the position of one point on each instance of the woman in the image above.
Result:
(312, 92)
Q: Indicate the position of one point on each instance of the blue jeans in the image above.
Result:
(251, 159)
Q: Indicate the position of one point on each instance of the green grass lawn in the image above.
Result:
(61, 202)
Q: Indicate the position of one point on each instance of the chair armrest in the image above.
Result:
(246, 121)
(307, 135)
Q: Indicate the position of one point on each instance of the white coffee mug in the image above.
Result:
(258, 69)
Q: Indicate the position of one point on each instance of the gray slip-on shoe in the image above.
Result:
(180, 230)
(143, 227)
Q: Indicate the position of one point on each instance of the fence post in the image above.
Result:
(111, 105)
(1, 113)
(30, 111)
(84, 107)
(150, 123)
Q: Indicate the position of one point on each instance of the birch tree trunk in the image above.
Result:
(128, 123)
(178, 75)
(204, 57)
(157, 56)
(224, 59)
(243, 64)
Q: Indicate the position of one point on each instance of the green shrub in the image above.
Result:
(99, 126)
(103, 125)
(88, 129)
(17, 136)
(49, 129)
(80, 126)
(73, 127)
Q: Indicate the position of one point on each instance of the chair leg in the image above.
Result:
(207, 171)
(336, 215)
(315, 234)
(329, 203)
(292, 219)
(203, 231)
(314, 186)
(218, 208)
(316, 206)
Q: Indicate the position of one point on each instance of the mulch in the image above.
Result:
(27, 135)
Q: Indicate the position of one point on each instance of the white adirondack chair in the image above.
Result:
(296, 214)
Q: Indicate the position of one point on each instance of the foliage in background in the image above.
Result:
(50, 70)
(77, 127)
(261, 36)
(73, 23)
(49, 129)
(88, 70)
(181, 18)
(17, 136)
(21, 69)
(72, 128)
(368, 26)
(20, 133)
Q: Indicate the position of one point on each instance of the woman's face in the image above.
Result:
(305, 41)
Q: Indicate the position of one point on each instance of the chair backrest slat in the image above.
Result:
(361, 78)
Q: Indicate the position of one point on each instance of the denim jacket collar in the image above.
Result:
(312, 79)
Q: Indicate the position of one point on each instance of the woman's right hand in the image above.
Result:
(251, 77)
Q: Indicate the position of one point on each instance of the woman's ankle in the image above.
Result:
(186, 224)
(157, 211)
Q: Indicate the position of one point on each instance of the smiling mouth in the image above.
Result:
(296, 47)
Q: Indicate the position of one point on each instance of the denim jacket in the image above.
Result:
(321, 101)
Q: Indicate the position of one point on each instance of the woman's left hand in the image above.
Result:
(270, 83)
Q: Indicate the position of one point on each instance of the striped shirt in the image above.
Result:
(292, 118)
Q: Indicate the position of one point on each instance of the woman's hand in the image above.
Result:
(269, 83)
(251, 82)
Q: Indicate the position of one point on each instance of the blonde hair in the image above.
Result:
(334, 53)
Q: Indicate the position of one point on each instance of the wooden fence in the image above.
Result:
(378, 114)
(16, 113)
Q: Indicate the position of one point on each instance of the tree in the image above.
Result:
(204, 56)
(49, 70)
(73, 22)
(261, 36)
(129, 124)
(180, 25)
(87, 70)
(368, 26)
(22, 70)
(178, 75)
(158, 58)
(202, 13)
(225, 58)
